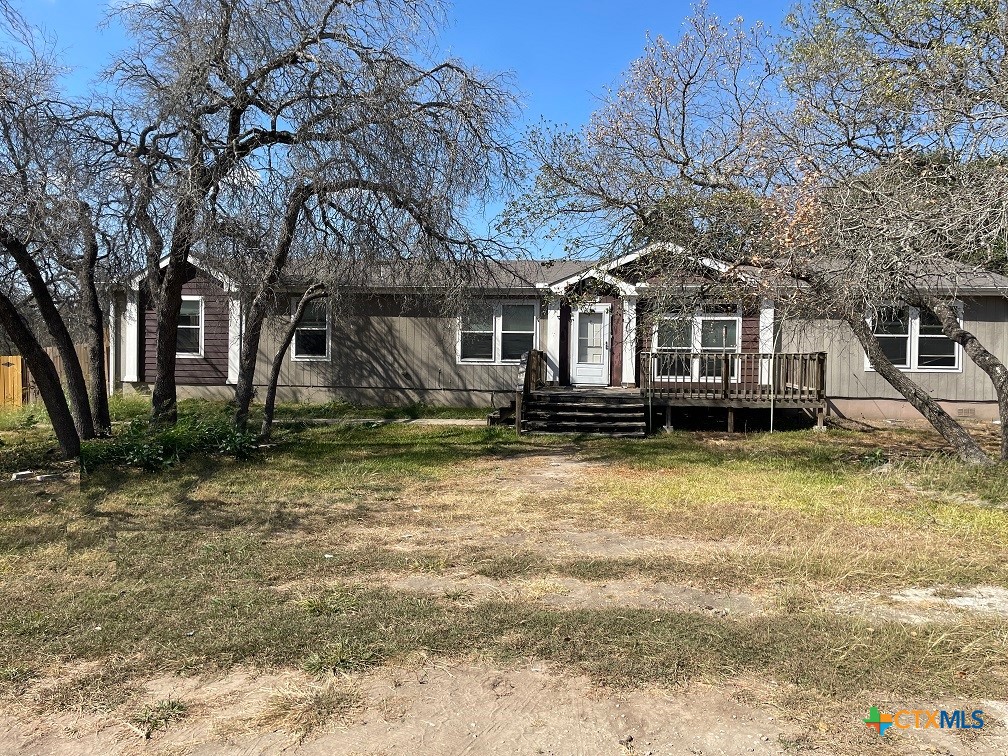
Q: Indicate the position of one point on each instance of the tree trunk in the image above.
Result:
(257, 311)
(315, 292)
(94, 323)
(950, 430)
(76, 385)
(164, 396)
(46, 378)
(986, 361)
(245, 386)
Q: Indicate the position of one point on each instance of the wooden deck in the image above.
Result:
(730, 380)
(734, 380)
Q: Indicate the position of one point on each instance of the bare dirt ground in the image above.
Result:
(456, 708)
(473, 707)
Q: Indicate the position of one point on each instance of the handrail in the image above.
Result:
(531, 375)
(749, 377)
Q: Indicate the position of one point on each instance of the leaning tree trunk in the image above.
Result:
(966, 447)
(981, 357)
(46, 378)
(315, 292)
(245, 385)
(76, 385)
(164, 395)
(260, 304)
(93, 322)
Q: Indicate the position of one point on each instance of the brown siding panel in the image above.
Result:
(750, 333)
(209, 370)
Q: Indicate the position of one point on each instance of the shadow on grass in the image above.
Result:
(219, 619)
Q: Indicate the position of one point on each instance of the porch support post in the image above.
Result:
(553, 340)
(629, 340)
(234, 338)
(114, 329)
(131, 326)
(767, 343)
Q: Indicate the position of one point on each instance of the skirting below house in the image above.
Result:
(365, 397)
(902, 410)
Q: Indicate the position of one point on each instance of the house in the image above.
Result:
(590, 327)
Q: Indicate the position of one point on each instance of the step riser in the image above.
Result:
(598, 413)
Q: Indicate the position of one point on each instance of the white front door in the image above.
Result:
(590, 329)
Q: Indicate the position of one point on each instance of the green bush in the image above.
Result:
(139, 445)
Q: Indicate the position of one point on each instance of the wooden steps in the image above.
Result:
(610, 412)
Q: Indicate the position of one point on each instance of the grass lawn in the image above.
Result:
(813, 574)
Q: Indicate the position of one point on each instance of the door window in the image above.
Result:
(591, 344)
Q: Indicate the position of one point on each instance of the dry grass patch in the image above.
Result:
(302, 711)
(158, 716)
(290, 560)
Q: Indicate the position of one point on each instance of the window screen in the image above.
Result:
(311, 337)
(517, 330)
(478, 333)
(190, 326)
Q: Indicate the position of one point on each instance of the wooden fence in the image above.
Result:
(19, 387)
(12, 381)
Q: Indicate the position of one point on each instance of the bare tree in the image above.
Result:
(58, 182)
(703, 150)
(314, 293)
(46, 377)
(901, 117)
(225, 90)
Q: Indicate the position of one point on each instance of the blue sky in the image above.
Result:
(563, 53)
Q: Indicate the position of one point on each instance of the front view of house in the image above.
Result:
(596, 326)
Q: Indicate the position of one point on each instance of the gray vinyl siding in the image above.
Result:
(846, 377)
(384, 346)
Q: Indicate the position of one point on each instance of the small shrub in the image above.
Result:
(159, 716)
(139, 445)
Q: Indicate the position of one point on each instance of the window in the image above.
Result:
(478, 333)
(892, 329)
(518, 325)
(498, 333)
(311, 337)
(189, 341)
(675, 335)
(689, 338)
(717, 334)
(913, 340)
(934, 348)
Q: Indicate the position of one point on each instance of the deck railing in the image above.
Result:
(531, 375)
(737, 377)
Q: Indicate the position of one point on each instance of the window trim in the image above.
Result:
(328, 334)
(497, 317)
(202, 329)
(696, 349)
(913, 348)
(493, 339)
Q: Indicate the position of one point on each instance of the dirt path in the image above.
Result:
(429, 709)
(453, 708)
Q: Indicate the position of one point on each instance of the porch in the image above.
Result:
(734, 380)
(668, 378)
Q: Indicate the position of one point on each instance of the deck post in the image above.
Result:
(668, 417)
(725, 374)
(731, 419)
(820, 417)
